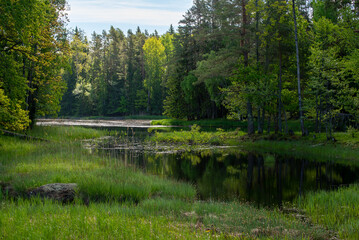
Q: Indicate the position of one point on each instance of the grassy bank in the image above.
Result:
(293, 125)
(338, 210)
(120, 203)
(151, 219)
(313, 147)
(131, 117)
(197, 136)
(32, 164)
(209, 123)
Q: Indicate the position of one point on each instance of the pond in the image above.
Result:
(228, 173)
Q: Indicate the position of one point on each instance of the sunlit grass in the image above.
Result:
(153, 218)
(313, 147)
(293, 125)
(318, 148)
(215, 123)
(38, 220)
(338, 210)
(197, 136)
(62, 133)
(121, 203)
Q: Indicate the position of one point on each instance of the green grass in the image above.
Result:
(38, 220)
(345, 150)
(123, 203)
(66, 134)
(32, 164)
(216, 123)
(134, 117)
(227, 124)
(196, 136)
(338, 210)
(153, 218)
(146, 117)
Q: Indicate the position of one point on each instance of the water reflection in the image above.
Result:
(234, 174)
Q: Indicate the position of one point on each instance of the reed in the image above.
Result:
(338, 210)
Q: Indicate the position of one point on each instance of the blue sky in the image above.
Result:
(98, 15)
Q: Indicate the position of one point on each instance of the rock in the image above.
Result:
(8, 190)
(62, 192)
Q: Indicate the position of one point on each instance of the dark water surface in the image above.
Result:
(229, 174)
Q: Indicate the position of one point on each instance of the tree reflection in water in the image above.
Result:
(233, 174)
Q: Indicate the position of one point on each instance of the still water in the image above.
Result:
(229, 174)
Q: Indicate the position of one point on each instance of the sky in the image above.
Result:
(98, 15)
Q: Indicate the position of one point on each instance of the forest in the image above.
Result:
(263, 61)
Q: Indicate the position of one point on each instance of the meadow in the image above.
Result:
(114, 201)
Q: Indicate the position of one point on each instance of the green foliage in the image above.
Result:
(155, 56)
(12, 116)
(33, 50)
(352, 131)
(332, 86)
(122, 108)
(188, 88)
(227, 59)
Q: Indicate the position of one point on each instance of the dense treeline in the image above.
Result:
(33, 50)
(262, 61)
(242, 54)
(227, 58)
(116, 74)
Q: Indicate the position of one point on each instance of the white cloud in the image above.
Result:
(134, 12)
(125, 15)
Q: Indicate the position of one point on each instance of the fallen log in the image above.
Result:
(21, 136)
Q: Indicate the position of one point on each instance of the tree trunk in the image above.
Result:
(268, 126)
(250, 118)
(257, 35)
(317, 114)
(263, 119)
(298, 71)
(260, 127)
(148, 100)
(280, 91)
(22, 136)
(244, 46)
(31, 95)
(286, 122)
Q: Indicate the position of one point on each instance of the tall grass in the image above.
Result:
(46, 220)
(345, 150)
(28, 165)
(62, 133)
(197, 136)
(293, 125)
(312, 149)
(122, 203)
(151, 219)
(215, 123)
(338, 210)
